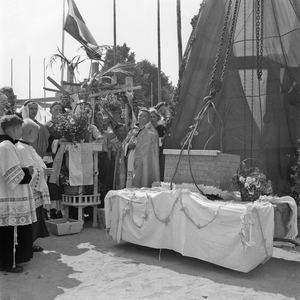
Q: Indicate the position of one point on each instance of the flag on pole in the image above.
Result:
(77, 28)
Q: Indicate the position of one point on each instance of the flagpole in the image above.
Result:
(63, 41)
(158, 46)
(115, 33)
(29, 77)
(179, 38)
(44, 73)
(11, 71)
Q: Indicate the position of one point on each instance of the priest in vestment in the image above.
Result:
(143, 154)
(35, 112)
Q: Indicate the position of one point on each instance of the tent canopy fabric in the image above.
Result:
(253, 118)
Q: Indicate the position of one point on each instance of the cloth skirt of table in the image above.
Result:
(238, 236)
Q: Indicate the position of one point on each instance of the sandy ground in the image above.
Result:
(90, 265)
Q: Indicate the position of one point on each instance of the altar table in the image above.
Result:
(235, 235)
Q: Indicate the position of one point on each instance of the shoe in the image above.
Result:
(37, 248)
(59, 215)
(46, 214)
(16, 269)
(53, 213)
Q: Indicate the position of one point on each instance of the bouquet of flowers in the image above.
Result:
(295, 176)
(73, 127)
(64, 176)
(251, 182)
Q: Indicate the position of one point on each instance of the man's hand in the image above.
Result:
(48, 171)
(30, 169)
(131, 146)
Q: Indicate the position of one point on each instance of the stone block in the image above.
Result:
(209, 167)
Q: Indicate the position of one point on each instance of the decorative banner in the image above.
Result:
(81, 164)
(76, 27)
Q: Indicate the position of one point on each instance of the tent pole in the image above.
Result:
(158, 47)
(63, 41)
(179, 38)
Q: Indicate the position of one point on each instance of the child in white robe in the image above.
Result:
(17, 207)
(38, 182)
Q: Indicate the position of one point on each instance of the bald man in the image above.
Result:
(38, 182)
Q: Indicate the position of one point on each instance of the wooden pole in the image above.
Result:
(179, 33)
(11, 72)
(29, 81)
(63, 41)
(159, 59)
(44, 74)
(115, 34)
(151, 95)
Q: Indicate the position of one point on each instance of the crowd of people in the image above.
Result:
(130, 158)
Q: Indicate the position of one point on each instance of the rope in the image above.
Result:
(221, 130)
(166, 220)
(193, 222)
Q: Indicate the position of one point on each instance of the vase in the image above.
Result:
(245, 196)
(71, 190)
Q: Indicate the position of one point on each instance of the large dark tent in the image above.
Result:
(251, 117)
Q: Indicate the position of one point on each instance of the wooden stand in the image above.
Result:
(81, 201)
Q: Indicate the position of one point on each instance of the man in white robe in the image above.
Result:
(143, 155)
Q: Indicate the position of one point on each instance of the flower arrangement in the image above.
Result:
(64, 176)
(295, 176)
(72, 127)
(251, 182)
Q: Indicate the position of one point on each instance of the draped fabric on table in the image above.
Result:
(263, 123)
(238, 236)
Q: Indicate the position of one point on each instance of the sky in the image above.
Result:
(31, 30)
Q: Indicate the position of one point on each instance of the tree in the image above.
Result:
(144, 74)
(123, 55)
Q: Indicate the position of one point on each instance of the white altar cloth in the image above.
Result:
(237, 236)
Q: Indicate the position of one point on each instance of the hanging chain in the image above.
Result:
(232, 30)
(252, 83)
(245, 75)
(212, 77)
(259, 36)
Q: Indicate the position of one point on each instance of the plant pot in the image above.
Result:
(71, 190)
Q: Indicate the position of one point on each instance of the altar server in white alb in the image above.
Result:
(38, 182)
(17, 207)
